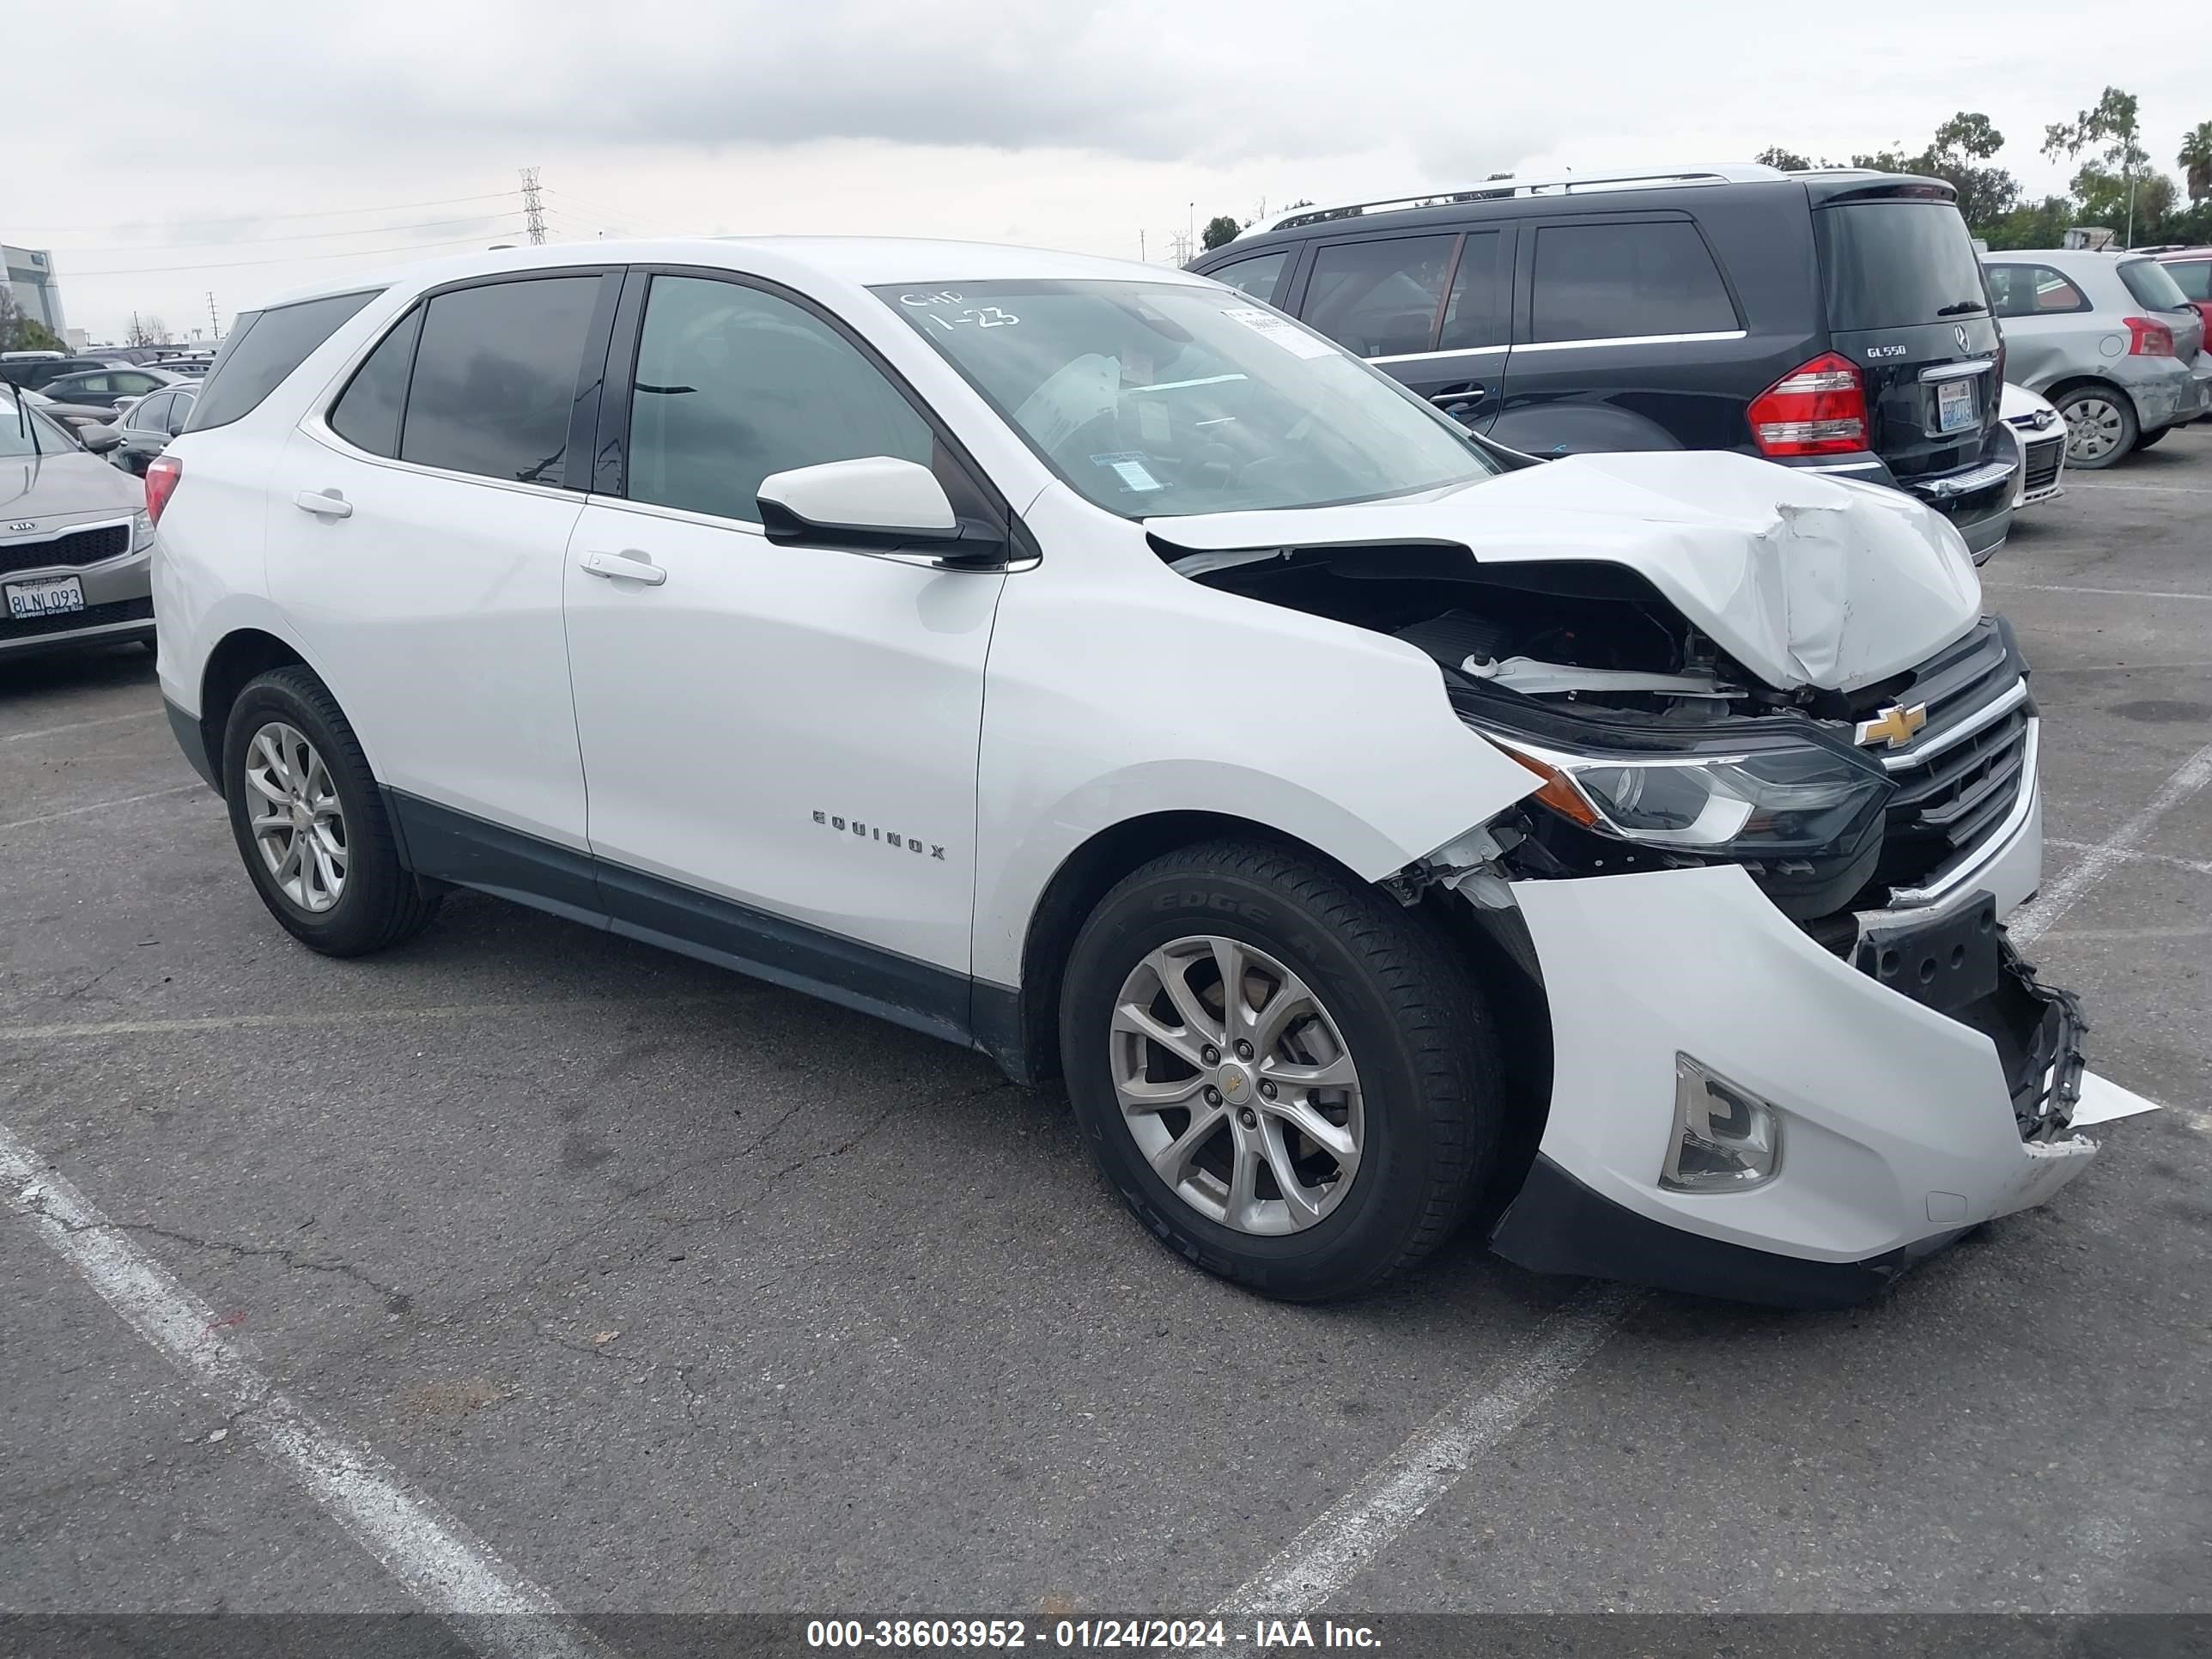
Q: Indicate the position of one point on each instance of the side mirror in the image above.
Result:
(100, 440)
(875, 504)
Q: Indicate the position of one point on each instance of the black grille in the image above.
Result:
(2043, 459)
(78, 547)
(93, 616)
(1948, 803)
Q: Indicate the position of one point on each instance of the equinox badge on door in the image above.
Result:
(878, 833)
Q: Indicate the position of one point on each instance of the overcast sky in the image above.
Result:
(162, 152)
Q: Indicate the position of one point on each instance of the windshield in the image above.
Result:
(1891, 263)
(16, 438)
(1155, 400)
(2152, 285)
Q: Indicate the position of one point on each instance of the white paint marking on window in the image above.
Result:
(103, 805)
(446, 1567)
(1331, 1551)
(81, 726)
(2030, 923)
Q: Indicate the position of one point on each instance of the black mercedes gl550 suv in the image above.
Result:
(1834, 319)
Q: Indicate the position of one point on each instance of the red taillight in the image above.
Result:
(1816, 408)
(161, 475)
(2149, 339)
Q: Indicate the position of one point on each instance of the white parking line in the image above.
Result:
(103, 805)
(492, 1608)
(2114, 593)
(2030, 924)
(1344, 1538)
(107, 1027)
(2149, 488)
(81, 726)
(2196, 866)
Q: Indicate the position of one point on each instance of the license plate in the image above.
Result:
(1954, 405)
(54, 597)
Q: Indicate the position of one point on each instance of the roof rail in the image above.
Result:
(1498, 190)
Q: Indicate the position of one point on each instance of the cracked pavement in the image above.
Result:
(687, 1293)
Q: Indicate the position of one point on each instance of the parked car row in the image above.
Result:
(1577, 836)
(1836, 319)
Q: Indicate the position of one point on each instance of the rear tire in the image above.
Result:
(2101, 430)
(310, 823)
(1337, 981)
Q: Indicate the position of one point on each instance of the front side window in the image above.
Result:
(733, 384)
(152, 414)
(1155, 399)
(495, 378)
(1626, 280)
(264, 347)
(1258, 275)
(367, 413)
(1379, 298)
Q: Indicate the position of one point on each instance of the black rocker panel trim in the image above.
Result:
(452, 846)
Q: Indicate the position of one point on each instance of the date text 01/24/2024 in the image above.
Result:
(1263, 1635)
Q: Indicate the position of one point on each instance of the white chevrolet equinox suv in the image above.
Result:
(1088, 665)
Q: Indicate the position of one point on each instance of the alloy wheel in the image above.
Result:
(2094, 428)
(294, 813)
(1237, 1085)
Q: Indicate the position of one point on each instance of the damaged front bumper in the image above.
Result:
(1900, 1127)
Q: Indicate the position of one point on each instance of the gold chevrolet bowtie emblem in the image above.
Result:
(1894, 726)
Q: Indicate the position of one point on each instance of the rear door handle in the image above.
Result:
(629, 565)
(1466, 394)
(324, 503)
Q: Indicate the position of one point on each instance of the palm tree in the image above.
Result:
(2195, 159)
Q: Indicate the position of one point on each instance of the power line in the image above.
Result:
(288, 259)
(600, 209)
(315, 213)
(297, 236)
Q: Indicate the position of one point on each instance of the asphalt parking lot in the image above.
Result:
(679, 1293)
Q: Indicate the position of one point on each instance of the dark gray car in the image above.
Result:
(76, 544)
(146, 426)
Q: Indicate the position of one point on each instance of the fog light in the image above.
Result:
(1726, 1139)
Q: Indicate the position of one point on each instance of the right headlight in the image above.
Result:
(1798, 800)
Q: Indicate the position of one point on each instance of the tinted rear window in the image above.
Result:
(2152, 285)
(1624, 280)
(1891, 265)
(264, 347)
(495, 378)
(2193, 277)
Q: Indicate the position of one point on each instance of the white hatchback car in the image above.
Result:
(1081, 662)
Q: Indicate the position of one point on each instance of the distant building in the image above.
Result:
(31, 275)
(2088, 236)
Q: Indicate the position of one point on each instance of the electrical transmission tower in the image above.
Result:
(214, 328)
(533, 210)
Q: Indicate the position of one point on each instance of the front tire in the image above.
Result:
(1311, 1132)
(309, 823)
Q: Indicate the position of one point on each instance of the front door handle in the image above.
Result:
(1466, 394)
(324, 503)
(629, 565)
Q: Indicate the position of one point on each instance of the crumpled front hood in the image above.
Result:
(1805, 579)
(68, 485)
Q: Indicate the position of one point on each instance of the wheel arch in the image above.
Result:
(1021, 1027)
(237, 658)
(2060, 388)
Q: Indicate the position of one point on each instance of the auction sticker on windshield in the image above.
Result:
(1269, 326)
(48, 599)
